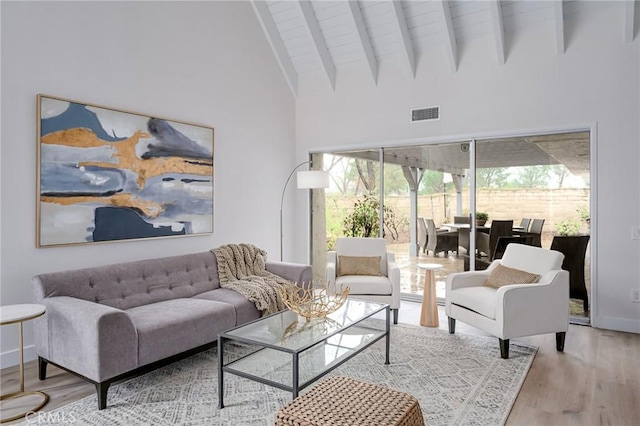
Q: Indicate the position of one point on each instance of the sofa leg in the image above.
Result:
(395, 315)
(101, 390)
(560, 341)
(504, 348)
(452, 325)
(42, 368)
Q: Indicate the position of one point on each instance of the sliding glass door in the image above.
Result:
(423, 198)
(411, 196)
(535, 190)
(424, 192)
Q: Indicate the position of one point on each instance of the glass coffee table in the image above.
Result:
(292, 353)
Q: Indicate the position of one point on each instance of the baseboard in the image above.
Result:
(12, 357)
(617, 324)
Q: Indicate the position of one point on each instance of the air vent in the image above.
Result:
(432, 113)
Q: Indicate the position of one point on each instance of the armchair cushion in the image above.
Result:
(503, 275)
(366, 284)
(359, 265)
(480, 299)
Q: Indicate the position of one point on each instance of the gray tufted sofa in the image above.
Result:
(111, 322)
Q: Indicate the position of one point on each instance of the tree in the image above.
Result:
(533, 177)
(559, 172)
(394, 181)
(368, 173)
(368, 177)
(494, 177)
(343, 178)
(432, 183)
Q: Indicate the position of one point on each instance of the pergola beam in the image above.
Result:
(313, 28)
(450, 36)
(277, 44)
(363, 36)
(629, 20)
(498, 30)
(400, 22)
(558, 17)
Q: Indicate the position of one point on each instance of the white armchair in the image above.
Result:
(514, 310)
(384, 287)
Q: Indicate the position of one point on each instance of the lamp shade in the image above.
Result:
(313, 179)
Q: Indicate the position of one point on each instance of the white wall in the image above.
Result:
(202, 62)
(595, 82)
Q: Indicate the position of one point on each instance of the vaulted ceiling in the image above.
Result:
(324, 35)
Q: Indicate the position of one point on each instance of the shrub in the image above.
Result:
(583, 211)
(567, 228)
(363, 221)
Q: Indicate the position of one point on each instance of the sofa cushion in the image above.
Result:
(173, 326)
(245, 310)
(480, 299)
(131, 284)
(362, 284)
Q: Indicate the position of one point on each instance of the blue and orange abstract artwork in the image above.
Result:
(109, 175)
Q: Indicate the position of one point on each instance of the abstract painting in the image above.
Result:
(109, 175)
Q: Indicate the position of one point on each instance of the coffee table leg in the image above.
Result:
(220, 374)
(295, 376)
(388, 336)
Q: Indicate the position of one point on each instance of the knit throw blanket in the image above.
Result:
(241, 267)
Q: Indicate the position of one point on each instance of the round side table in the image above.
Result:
(17, 314)
(429, 312)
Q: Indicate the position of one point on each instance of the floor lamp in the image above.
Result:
(308, 179)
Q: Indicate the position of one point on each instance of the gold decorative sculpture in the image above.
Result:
(315, 301)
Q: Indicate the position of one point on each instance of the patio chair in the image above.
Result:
(506, 301)
(535, 230)
(524, 224)
(574, 248)
(503, 242)
(463, 239)
(486, 243)
(440, 240)
(368, 269)
(422, 235)
(501, 246)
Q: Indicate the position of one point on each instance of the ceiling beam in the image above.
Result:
(400, 23)
(312, 26)
(558, 17)
(498, 30)
(629, 21)
(277, 45)
(363, 36)
(450, 35)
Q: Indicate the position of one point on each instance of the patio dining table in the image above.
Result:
(483, 228)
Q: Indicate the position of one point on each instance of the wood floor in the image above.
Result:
(596, 381)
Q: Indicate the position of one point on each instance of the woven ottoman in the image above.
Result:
(341, 401)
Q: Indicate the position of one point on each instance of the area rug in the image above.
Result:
(458, 380)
